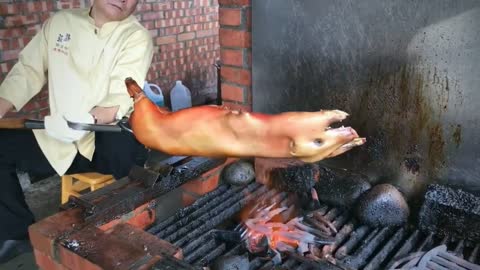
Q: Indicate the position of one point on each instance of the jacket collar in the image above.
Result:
(108, 27)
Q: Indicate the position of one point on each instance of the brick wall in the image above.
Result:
(185, 35)
(236, 79)
(186, 38)
(236, 53)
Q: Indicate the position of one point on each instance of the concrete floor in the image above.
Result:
(43, 197)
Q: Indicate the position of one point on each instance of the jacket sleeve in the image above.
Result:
(28, 75)
(134, 61)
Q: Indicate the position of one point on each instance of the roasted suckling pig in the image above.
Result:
(215, 131)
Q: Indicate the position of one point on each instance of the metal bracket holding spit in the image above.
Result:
(162, 172)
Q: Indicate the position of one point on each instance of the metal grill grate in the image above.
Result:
(356, 246)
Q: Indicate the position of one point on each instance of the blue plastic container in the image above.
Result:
(156, 96)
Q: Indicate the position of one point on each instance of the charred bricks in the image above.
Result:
(340, 188)
(286, 174)
(450, 212)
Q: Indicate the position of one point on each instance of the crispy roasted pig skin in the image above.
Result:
(217, 131)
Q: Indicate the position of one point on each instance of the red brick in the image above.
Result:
(72, 260)
(146, 241)
(44, 233)
(162, 6)
(183, 21)
(19, 20)
(231, 57)
(230, 16)
(165, 23)
(193, 27)
(236, 75)
(144, 7)
(232, 93)
(181, 4)
(45, 262)
(143, 220)
(234, 2)
(43, 112)
(150, 264)
(238, 107)
(10, 55)
(235, 38)
(213, 171)
(142, 217)
(193, 11)
(186, 36)
(210, 26)
(155, 15)
(42, 103)
(174, 30)
(20, 43)
(4, 45)
(212, 10)
(31, 106)
(32, 30)
(174, 13)
(43, 93)
(32, 7)
(11, 33)
(100, 250)
(64, 5)
(166, 40)
(7, 8)
(188, 198)
(44, 17)
(149, 26)
(50, 6)
(201, 3)
(203, 184)
(206, 33)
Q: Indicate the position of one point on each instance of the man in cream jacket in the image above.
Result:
(84, 55)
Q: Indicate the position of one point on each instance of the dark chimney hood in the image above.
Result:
(408, 72)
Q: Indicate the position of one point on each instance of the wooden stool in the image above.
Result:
(73, 184)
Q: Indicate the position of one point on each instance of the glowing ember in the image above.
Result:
(295, 236)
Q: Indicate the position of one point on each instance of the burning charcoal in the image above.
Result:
(294, 178)
(320, 222)
(262, 232)
(453, 212)
(340, 188)
(286, 174)
(315, 196)
(239, 173)
(383, 205)
(231, 263)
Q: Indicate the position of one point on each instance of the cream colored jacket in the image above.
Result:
(84, 67)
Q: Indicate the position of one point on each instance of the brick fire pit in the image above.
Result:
(69, 240)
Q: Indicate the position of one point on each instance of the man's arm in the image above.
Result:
(27, 76)
(134, 61)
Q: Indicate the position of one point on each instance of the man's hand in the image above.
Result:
(5, 107)
(56, 126)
